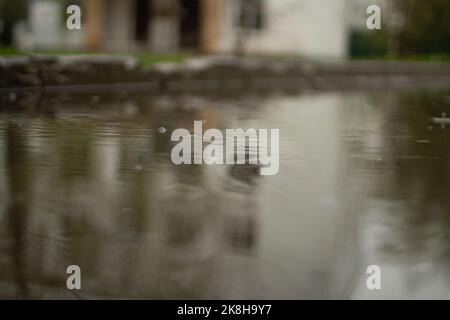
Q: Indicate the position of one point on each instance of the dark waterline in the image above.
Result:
(364, 179)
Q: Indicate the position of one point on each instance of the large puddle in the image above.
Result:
(364, 179)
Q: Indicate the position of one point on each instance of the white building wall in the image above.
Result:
(312, 28)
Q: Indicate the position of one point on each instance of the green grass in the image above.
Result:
(418, 58)
(8, 51)
(429, 57)
(146, 60)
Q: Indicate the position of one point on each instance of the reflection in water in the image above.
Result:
(19, 182)
(409, 212)
(363, 180)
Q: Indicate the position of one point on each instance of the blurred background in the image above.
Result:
(326, 29)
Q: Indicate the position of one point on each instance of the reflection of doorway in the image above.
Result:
(142, 22)
(189, 24)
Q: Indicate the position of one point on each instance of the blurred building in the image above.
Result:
(283, 27)
(313, 28)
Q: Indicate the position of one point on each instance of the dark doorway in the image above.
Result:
(143, 16)
(189, 24)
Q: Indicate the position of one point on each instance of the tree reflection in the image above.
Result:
(418, 186)
(17, 163)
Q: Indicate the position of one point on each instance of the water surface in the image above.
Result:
(364, 179)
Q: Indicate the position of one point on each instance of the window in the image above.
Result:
(251, 14)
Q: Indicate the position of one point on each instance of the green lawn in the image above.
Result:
(8, 51)
(148, 59)
(145, 59)
(421, 58)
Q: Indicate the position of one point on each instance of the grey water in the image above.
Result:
(364, 180)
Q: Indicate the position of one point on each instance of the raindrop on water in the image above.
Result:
(95, 99)
(162, 130)
(12, 97)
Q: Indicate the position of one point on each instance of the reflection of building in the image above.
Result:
(305, 27)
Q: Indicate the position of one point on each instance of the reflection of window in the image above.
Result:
(252, 14)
